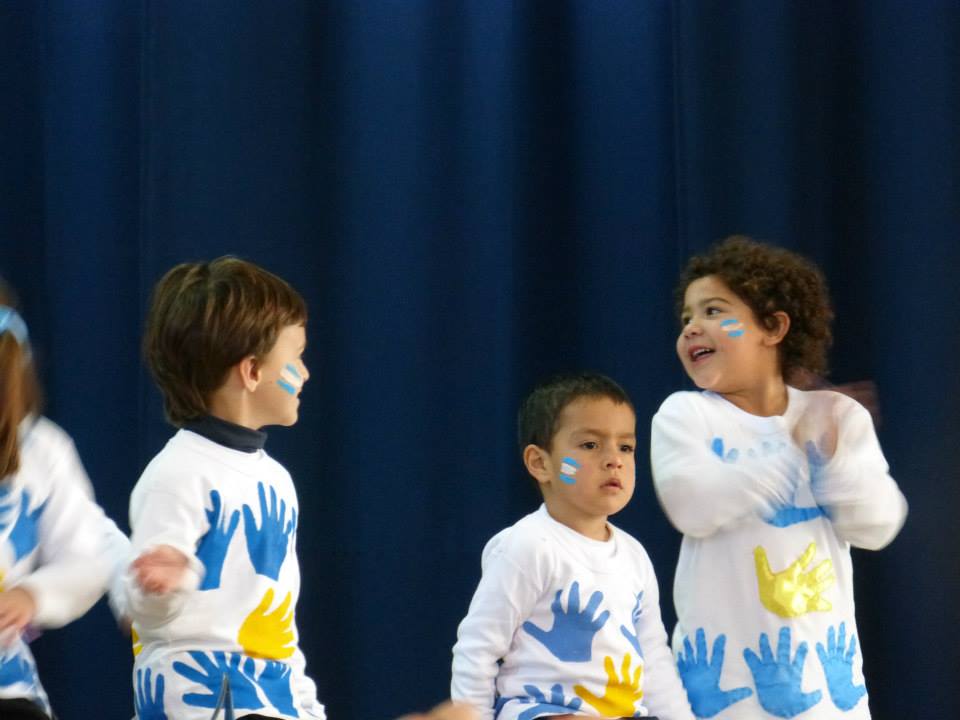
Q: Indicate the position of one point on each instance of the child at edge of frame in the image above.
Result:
(214, 586)
(770, 485)
(59, 552)
(566, 620)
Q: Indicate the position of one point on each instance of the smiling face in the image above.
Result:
(589, 472)
(721, 344)
(276, 401)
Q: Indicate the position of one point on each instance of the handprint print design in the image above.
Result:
(622, 692)
(701, 678)
(571, 637)
(266, 633)
(792, 592)
(268, 542)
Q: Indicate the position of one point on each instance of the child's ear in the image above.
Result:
(537, 462)
(249, 371)
(777, 327)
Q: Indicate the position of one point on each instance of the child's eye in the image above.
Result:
(589, 445)
(626, 449)
(684, 320)
(711, 310)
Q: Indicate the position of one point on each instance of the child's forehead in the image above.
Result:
(598, 413)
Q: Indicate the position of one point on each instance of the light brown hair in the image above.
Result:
(204, 318)
(20, 393)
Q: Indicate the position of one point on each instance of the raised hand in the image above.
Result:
(622, 694)
(633, 637)
(268, 543)
(779, 680)
(701, 679)
(210, 676)
(571, 637)
(556, 705)
(212, 550)
(149, 700)
(837, 661)
(267, 634)
(23, 535)
(275, 683)
(793, 592)
(15, 668)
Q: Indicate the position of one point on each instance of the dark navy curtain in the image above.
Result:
(471, 195)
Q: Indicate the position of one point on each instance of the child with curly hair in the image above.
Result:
(770, 486)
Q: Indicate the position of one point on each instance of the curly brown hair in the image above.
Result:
(772, 279)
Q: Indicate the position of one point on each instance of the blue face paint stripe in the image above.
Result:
(293, 371)
(567, 479)
(287, 386)
(736, 333)
(571, 461)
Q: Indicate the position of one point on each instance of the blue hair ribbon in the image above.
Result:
(11, 322)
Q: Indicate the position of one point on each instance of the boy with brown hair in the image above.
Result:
(214, 587)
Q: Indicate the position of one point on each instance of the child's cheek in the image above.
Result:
(290, 379)
(568, 470)
(732, 327)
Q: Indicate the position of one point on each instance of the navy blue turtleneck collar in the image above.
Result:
(228, 434)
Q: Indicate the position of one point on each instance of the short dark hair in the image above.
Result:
(540, 411)
(204, 318)
(771, 279)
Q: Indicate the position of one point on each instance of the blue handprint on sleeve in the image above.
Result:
(701, 679)
(837, 661)
(267, 544)
(556, 705)
(212, 550)
(778, 680)
(634, 637)
(571, 637)
(23, 535)
(716, 445)
(275, 683)
(149, 700)
(16, 669)
(210, 676)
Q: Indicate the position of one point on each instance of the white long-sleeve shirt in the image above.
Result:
(573, 620)
(769, 507)
(55, 542)
(234, 514)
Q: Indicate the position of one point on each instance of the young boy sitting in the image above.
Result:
(213, 590)
(566, 618)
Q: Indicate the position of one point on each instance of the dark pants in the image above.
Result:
(21, 709)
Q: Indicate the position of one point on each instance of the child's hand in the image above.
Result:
(160, 570)
(446, 711)
(17, 608)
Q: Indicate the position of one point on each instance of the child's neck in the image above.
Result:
(232, 409)
(765, 399)
(592, 527)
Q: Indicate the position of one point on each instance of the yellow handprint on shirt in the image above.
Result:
(135, 639)
(621, 695)
(268, 634)
(792, 592)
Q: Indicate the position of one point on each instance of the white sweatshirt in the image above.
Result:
(234, 514)
(576, 623)
(769, 507)
(55, 542)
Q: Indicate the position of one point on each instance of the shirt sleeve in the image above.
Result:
(701, 493)
(663, 693)
(164, 514)
(504, 598)
(863, 502)
(74, 566)
(305, 689)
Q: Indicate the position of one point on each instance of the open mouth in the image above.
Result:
(613, 483)
(699, 353)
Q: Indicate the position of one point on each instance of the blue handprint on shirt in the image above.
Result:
(837, 661)
(149, 700)
(634, 637)
(556, 705)
(778, 680)
(210, 675)
(727, 456)
(212, 550)
(16, 669)
(701, 679)
(275, 683)
(571, 637)
(23, 535)
(267, 544)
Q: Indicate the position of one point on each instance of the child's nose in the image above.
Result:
(613, 459)
(691, 329)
